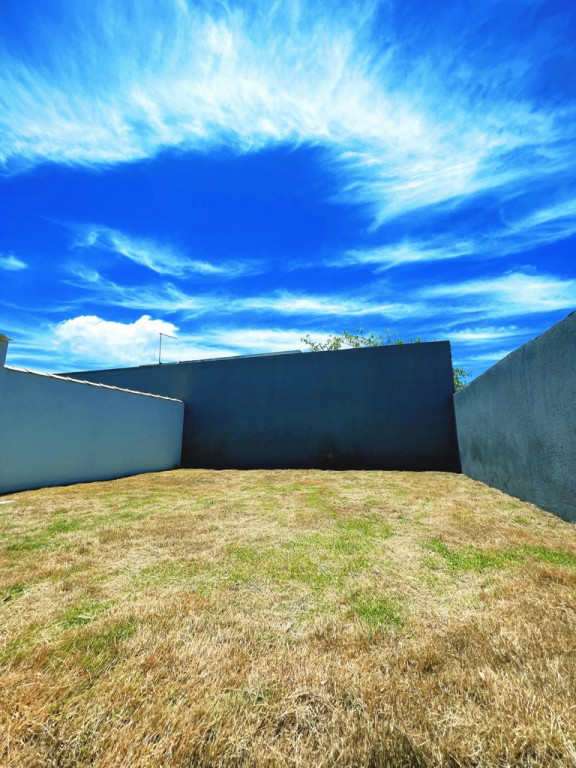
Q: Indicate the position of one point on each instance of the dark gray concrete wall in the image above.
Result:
(517, 422)
(378, 408)
(56, 432)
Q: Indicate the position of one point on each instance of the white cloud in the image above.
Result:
(402, 135)
(218, 341)
(486, 334)
(508, 295)
(523, 233)
(488, 357)
(11, 264)
(165, 297)
(286, 303)
(89, 341)
(85, 342)
(97, 341)
(160, 258)
(257, 340)
(171, 299)
(406, 251)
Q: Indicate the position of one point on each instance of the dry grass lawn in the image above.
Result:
(285, 618)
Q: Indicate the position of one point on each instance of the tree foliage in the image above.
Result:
(359, 338)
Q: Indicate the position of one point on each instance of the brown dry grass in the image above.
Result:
(200, 618)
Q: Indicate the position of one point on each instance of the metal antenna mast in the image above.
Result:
(160, 345)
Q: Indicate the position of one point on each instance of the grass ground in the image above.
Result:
(201, 618)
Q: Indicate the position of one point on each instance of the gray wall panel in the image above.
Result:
(517, 422)
(378, 408)
(55, 432)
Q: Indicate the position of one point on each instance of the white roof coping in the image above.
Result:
(89, 383)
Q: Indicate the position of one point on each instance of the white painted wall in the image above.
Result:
(56, 431)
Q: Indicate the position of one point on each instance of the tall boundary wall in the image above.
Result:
(517, 422)
(376, 408)
(56, 431)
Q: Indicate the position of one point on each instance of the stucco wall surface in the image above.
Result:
(55, 432)
(378, 408)
(517, 422)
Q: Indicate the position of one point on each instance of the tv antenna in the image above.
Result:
(160, 345)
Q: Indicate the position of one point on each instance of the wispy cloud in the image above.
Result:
(166, 297)
(258, 340)
(221, 341)
(509, 295)
(487, 357)
(436, 248)
(286, 303)
(408, 123)
(519, 234)
(172, 299)
(88, 340)
(487, 334)
(10, 263)
(478, 346)
(160, 258)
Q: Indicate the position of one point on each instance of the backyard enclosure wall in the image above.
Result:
(517, 422)
(55, 431)
(378, 408)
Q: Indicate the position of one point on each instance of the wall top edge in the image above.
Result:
(89, 383)
(566, 325)
(300, 353)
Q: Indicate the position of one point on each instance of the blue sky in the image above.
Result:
(243, 174)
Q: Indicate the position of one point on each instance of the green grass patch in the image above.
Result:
(318, 500)
(378, 612)
(94, 651)
(354, 536)
(472, 559)
(83, 614)
(369, 527)
(54, 534)
(249, 564)
(319, 560)
(62, 526)
(48, 537)
(29, 544)
(12, 593)
(302, 560)
(510, 504)
(554, 556)
(171, 573)
(18, 648)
